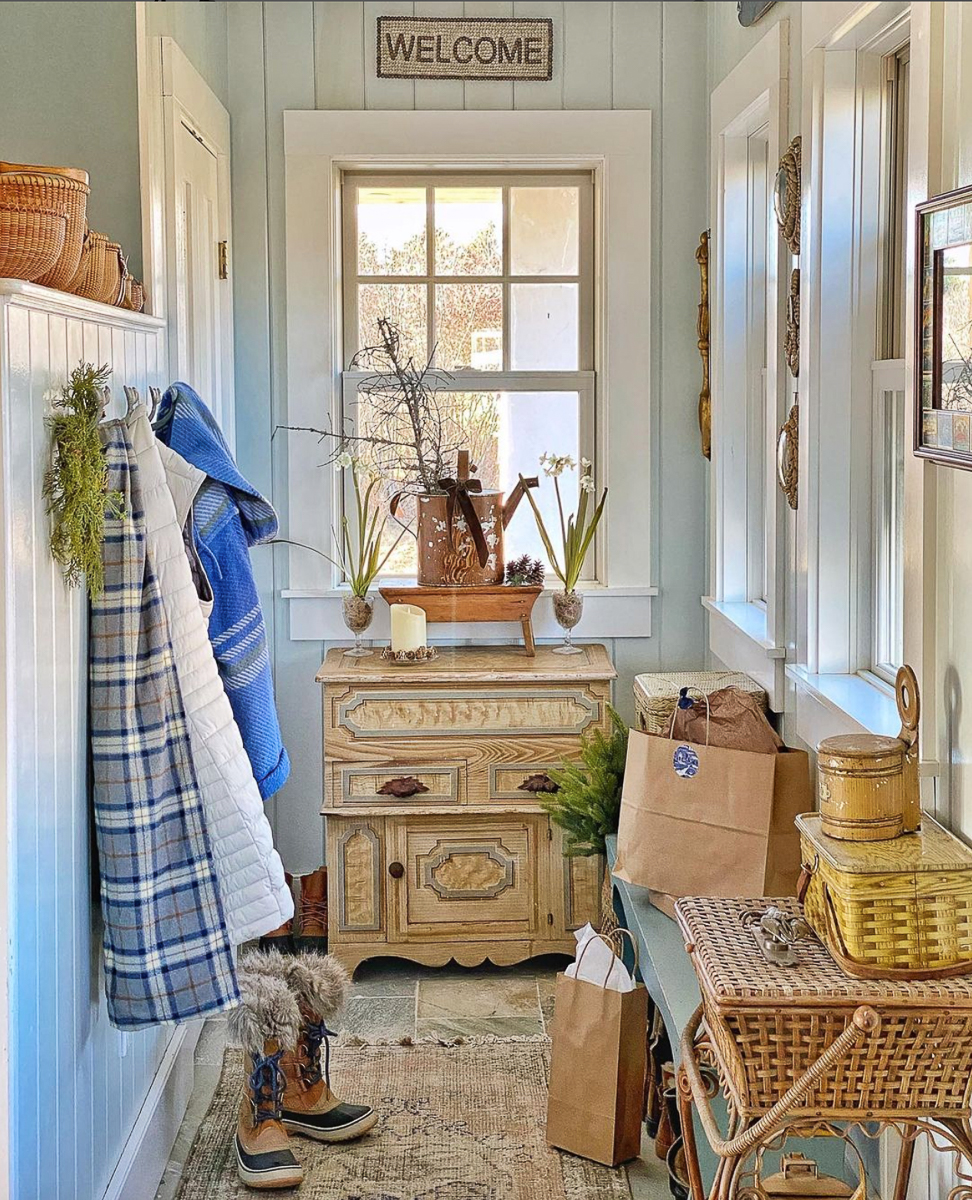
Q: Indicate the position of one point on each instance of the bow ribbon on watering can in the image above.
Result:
(457, 490)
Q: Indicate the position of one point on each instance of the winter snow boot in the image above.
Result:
(281, 938)
(266, 1024)
(320, 985)
(312, 912)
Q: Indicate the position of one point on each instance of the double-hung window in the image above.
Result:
(490, 279)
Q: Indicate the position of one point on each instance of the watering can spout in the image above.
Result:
(514, 498)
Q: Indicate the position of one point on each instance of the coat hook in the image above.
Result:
(105, 400)
(156, 397)
(132, 399)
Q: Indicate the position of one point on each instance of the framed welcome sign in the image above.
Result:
(943, 350)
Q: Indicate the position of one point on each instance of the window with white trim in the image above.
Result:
(490, 278)
(888, 378)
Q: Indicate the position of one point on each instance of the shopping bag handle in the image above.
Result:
(708, 711)
(607, 941)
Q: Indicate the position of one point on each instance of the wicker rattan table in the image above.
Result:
(808, 1050)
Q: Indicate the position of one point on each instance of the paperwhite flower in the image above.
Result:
(587, 483)
(586, 465)
(557, 464)
(344, 460)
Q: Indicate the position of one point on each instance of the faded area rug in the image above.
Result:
(457, 1122)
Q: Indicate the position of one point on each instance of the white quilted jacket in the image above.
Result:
(255, 895)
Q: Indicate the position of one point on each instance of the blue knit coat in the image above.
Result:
(228, 516)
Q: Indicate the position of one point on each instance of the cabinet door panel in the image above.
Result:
(575, 887)
(357, 857)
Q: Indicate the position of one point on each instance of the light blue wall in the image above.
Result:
(302, 55)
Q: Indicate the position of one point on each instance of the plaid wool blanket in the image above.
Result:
(167, 954)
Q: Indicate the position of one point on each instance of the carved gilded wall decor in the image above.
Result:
(791, 342)
(787, 197)
(787, 451)
(705, 396)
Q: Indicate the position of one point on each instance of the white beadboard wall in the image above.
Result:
(302, 55)
(76, 1084)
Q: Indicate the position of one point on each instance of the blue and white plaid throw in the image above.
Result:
(167, 954)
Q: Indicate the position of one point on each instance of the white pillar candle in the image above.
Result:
(407, 627)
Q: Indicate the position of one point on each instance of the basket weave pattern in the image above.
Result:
(31, 234)
(100, 275)
(76, 206)
(655, 695)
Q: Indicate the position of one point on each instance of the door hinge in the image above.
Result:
(222, 259)
(549, 918)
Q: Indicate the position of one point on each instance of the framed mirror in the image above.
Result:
(943, 330)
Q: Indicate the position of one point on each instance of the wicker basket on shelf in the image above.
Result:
(133, 295)
(65, 188)
(31, 230)
(655, 695)
(101, 273)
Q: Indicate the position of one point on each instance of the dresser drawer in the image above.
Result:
(396, 783)
(463, 878)
(526, 782)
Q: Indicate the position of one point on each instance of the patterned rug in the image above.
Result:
(458, 1122)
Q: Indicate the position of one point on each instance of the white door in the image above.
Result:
(197, 348)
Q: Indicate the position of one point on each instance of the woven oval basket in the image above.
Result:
(100, 275)
(31, 232)
(655, 695)
(65, 188)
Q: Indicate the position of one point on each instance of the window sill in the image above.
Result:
(827, 705)
(609, 612)
(738, 638)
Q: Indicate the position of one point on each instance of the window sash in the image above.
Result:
(887, 501)
(505, 180)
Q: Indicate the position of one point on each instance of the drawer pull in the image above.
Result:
(540, 782)
(402, 787)
(396, 870)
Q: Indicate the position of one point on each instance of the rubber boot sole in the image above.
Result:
(346, 1133)
(272, 1180)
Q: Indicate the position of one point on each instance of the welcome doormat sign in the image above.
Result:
(465, 48)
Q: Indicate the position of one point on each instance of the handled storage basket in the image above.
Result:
(892, 908)
(101, 274)
(655, 695)
(65, 189)
(33, 220)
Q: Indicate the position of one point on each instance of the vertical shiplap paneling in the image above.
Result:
(549, 94)
(384, 93)
(339, 55)
(438, 93)
(587, 55)
(77, 1084)
(637, 57)
(483, 93)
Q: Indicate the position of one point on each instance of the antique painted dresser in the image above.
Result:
(437, 846)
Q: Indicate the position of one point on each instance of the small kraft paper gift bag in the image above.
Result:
(711, 820)
(597, 1062)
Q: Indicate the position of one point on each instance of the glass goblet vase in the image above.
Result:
(358, 611)
(568, 610)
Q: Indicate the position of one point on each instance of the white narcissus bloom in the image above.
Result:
(344, 460)
(555, 465)
(586, 465)
(587, 483)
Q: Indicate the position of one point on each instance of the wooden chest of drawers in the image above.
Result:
(436, 845)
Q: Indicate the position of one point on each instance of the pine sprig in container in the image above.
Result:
(76, 482)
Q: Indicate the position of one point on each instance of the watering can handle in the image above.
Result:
(514, 498)
(909, 704)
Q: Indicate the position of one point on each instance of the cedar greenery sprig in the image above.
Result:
(587, 804)
(76, 482)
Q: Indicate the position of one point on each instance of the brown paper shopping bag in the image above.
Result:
(702, 820)
(597, 1069)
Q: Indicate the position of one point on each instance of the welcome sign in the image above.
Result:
(465, 48)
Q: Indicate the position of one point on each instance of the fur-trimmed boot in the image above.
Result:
(310, 1108)
(312, 912)
(281, 938)
(267, 1025)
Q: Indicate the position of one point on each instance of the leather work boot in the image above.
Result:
(266, 1025)
(281, 938)
(312, 912)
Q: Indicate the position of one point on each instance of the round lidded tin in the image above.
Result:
(861, 787)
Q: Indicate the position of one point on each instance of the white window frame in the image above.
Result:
(616, 148)
(835, 687)
(746, 631)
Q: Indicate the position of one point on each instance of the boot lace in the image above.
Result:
(267, 1082)
(316, 1033)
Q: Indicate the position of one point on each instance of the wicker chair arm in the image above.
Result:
(864, 1021)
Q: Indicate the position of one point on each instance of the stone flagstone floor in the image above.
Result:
(392, 999)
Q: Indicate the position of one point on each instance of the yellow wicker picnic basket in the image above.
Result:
(655, 694)
(891, 909)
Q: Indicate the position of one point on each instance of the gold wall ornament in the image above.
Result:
(787, 451)
(705, 396)
(791, 341)
(786, 199)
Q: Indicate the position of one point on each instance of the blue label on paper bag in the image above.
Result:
(686, 762)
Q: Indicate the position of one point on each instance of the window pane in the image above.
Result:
(543, 326)
(469, 326)
(531, 424)
(468, 230)
(543, 231)
(402, 303)
(391, 231)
